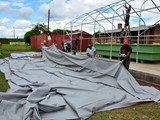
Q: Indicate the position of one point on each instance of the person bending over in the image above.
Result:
(91, 51)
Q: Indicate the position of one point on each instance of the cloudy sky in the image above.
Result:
(21, 15)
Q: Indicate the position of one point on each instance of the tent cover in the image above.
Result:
(60, 86)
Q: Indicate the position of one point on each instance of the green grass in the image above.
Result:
(15, 47)
(142, 111)
(3, 83)
(6, 49)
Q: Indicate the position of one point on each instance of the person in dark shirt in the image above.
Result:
(76, 42)
(121, 35)
(63, 46)
(125, 53)
(69, 46)
(127, 17)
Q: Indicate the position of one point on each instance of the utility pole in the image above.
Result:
(14, 32)
(48, 18)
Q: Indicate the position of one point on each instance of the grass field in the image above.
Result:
(6, 49)
(141, 111)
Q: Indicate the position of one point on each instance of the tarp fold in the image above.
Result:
(61, 86)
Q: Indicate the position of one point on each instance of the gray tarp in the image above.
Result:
(61, 86)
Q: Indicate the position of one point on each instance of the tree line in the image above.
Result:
(43, 29)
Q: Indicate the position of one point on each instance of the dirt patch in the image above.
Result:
(146, 83)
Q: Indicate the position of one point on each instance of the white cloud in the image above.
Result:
(25, 12)
(19, 33)
(4, 21)
(4, 4)
(18, 4)
(62, 12)
(5, 8)
(5, 32)
(43, 9)
(20, 14)
(2, 28)
(88, 5)
(71, 9)
(58, 24)
(22, 24)
(21, 27)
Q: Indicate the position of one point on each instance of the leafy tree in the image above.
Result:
(96, 34)
(58, 31)
(36, 30)
(41, 28)
(28, 35)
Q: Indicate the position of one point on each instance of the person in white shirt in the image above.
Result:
(91, 51)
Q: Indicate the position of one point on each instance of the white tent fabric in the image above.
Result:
(61, 86)
(25, 54)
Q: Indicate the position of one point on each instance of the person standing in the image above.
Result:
(91, 51)
(63, 46)
(41, 47)
(76, 43)
(74, 49)
(55, 43)
(127, 17)
(44, 43)
(125, 53)
(121, 36)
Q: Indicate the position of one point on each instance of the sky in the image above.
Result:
(21, 15)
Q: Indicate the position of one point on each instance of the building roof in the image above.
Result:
(142, 27)
(78, 32)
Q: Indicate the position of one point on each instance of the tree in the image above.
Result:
(28, 35)
(96, 34)
(41, 28)
(58, 31)
(36, 30)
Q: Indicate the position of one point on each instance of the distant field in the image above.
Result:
(142, 111)
(6, 49)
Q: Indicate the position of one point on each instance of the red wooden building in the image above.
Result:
(84, 39)
(49, 39)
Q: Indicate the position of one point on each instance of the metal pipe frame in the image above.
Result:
(99, 17)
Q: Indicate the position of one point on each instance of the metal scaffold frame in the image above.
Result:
(105, 20)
